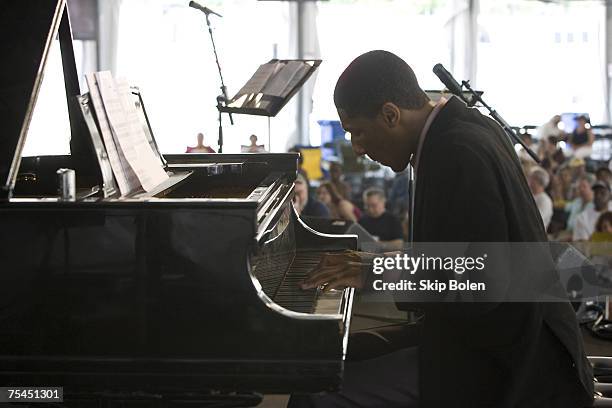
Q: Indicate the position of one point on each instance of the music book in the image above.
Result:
(270, 88)
(132, 159)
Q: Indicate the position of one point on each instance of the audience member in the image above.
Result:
(381, 224)
(253, 147)
(577, 168)
(538, 181)
(604, 223)
(300, 168)
(200, 147)
(579, 204)
(336, 178)
(555, 189)
(551, 154)
(339, 208)
(604, 174)
(399, 194)
(550, 128)
(585, 222)
(565, 178)
(600, 249)
(582, 138)
(528, 140)
(304, 205)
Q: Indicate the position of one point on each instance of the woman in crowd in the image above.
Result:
(339, 208)
(604, 223)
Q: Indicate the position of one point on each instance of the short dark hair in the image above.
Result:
(375, 78)
(374, 191)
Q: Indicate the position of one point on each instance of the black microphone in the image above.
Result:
(447, 79)
(203, 9)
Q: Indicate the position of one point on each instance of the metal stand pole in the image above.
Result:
(221, 99)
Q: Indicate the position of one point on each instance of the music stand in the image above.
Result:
(271, 87)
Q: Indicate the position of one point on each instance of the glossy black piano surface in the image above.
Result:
(170, 293)
(185, 289)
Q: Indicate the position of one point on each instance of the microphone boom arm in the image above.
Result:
(457, 89)
(495, 115)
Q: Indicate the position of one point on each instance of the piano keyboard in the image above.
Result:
(288, 293)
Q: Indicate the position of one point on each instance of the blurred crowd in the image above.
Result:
(571, 191)
(334, 198)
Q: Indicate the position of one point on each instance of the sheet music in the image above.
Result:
(299, 74)
(281, 81)
(123, 120)
(124, 174)
(258, 80)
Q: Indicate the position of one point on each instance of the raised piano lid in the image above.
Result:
(30, 27)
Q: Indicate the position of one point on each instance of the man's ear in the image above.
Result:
(390, 114)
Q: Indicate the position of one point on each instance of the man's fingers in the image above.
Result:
(324, 269)
(320, 278)
(324, 276)
(330, 270)
(349, 279)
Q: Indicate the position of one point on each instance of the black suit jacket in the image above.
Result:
(470, 188)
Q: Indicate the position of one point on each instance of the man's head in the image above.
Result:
(604, 174)
(584, 189)
(601, 195)
(382, 106)
(374, 202)
(335, 171)
(253, 139)
(200, 138)
(538, 179)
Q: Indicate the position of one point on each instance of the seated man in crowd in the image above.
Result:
(585, 222)
(381, 224)
(538, 181)
(604, 174)
(304, 205)
(583, 201)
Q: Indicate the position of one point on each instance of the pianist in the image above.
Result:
(469, 188)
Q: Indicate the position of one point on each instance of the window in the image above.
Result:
(534, 65)
(164, 48)
(414, 30)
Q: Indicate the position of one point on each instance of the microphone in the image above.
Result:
(203, 9)
(447, 79)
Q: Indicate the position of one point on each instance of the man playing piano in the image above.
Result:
(469, 188)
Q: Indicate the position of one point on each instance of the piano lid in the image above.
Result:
(28, 29)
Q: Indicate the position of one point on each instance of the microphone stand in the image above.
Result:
(507, 128)
(221, 99)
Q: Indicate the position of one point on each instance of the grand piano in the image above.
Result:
(188, 290)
